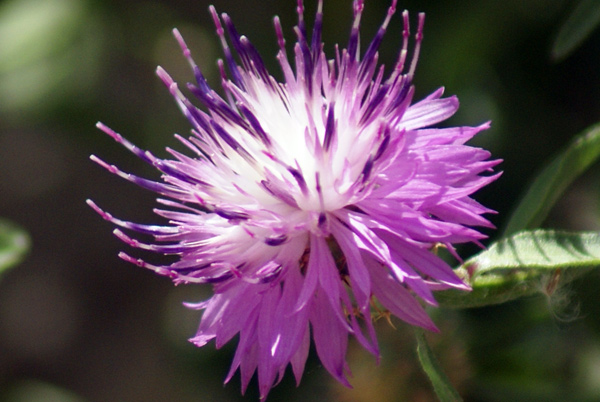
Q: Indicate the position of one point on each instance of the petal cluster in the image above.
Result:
(311, 203)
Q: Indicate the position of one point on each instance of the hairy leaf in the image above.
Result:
(524, 264)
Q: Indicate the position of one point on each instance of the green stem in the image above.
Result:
(441, 384)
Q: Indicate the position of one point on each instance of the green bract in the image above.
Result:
(524, 264)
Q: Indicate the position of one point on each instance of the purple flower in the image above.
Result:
(311, 205)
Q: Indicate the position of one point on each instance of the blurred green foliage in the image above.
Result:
(580, 24)
(49, 55)
(14, 244)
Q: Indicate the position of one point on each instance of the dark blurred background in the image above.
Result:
(78, 324)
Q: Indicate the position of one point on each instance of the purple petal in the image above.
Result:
(330, 337)
(397, 298)
(429, 112)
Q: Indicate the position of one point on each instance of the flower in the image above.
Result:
(309, 203)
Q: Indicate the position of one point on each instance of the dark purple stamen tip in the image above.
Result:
(144, 183)
(229, 140)
(318, 26)
(384, 143)
(279, 193)
(255, 124)
(374, 103)
(369, 59)
(319, 190)
(276, 241)
(231, 64)
(322, 219)
(299, 179)
(218, 278)
(366, 172)
(231, 215)
(271, 276)
(330, 127)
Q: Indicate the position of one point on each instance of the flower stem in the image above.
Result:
(441, 384)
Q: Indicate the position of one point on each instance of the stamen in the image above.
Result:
(354, 33)
(322, 220)
(279, 34)
(304, 60)
(188, 55)
(299, 179)
(316, 37)
(419, 39)
(256, 62)
(154, 230)
(176, 248)
(140, 153)
(216, 105)
(225, 84)
(141, 263)
(366, 172)
(384, 142)
(267, 277)
(301, 24)
(258, 130)
(226, 50)
(194, 116)
(405, 36)
(330, 127)
(160, 188)
(231, 215)
(276, 241)
(319, 191)
(229, 140)
(369, 61)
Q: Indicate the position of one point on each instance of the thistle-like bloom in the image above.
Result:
(311, 205)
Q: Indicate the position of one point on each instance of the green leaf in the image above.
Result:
(441, 384)
(578, 26)
(14, 244)
(522, 265)
(549, 185)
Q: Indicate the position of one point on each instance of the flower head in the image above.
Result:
(308, 202)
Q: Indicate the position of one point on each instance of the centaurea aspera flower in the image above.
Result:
(306, 202)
